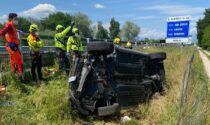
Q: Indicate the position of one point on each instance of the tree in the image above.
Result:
(1, 26)
(102, 33)
(83, 23)
(54, 19)
(2, 41)
(114, 28)
(130, 31)
(146, 40)
(201, 25)
(94, 31)
(35, 21)
(23, 24)
(206, 38)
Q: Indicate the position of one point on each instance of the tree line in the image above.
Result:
(203, 30)
(129, 30)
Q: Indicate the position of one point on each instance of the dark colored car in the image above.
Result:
(107, 78)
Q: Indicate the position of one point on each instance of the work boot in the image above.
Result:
(22, 80)
(42, 79)
(67, 73)
(35, 80)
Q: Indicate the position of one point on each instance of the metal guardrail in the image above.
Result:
(184, 87)
(25, 49)
(45, 49)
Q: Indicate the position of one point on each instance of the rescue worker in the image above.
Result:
(128, 45)
(75, 47)
(60, 45)
(117, 41)
(12, 45)
(35, 44)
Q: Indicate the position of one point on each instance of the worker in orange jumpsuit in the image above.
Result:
(12, 45)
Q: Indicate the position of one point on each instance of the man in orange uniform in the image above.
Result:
(12, 45)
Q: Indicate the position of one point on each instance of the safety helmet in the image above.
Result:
(33, 28)
(59, 27)
(117, 41)
(128, 45)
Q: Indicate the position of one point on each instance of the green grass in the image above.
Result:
(47, 103)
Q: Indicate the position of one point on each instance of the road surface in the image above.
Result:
(206, 62)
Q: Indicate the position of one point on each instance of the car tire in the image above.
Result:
(100, 47)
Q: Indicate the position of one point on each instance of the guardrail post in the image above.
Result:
(136, 44)
(88, 40)
(21, 49)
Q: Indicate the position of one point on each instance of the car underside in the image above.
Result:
(107, 78)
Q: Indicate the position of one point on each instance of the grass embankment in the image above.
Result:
(47, 104)
(163, 111)
(43, 104)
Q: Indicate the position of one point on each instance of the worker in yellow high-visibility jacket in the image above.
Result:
(60, 45)
(74, 44)
(75, 47)
(35, 45)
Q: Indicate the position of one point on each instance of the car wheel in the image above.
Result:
(100, 47)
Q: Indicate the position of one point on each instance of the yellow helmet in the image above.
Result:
(117, 41)
(58, 27)
(128, 45)
(75, 30)
(33, 27)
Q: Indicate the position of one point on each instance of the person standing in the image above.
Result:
(75, 47)
(60, 45)
(35, 44)
(12, 45)
(74, 44)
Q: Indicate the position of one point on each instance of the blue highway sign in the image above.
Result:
(178, 29)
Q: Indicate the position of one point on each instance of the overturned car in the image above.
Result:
(107, 78)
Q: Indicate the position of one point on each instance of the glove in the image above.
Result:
(41, 44)
(21, 32)
(72, 23)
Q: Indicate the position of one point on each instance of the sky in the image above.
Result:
(149, 15)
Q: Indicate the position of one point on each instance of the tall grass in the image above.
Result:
(163, 110)
(197, 101)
